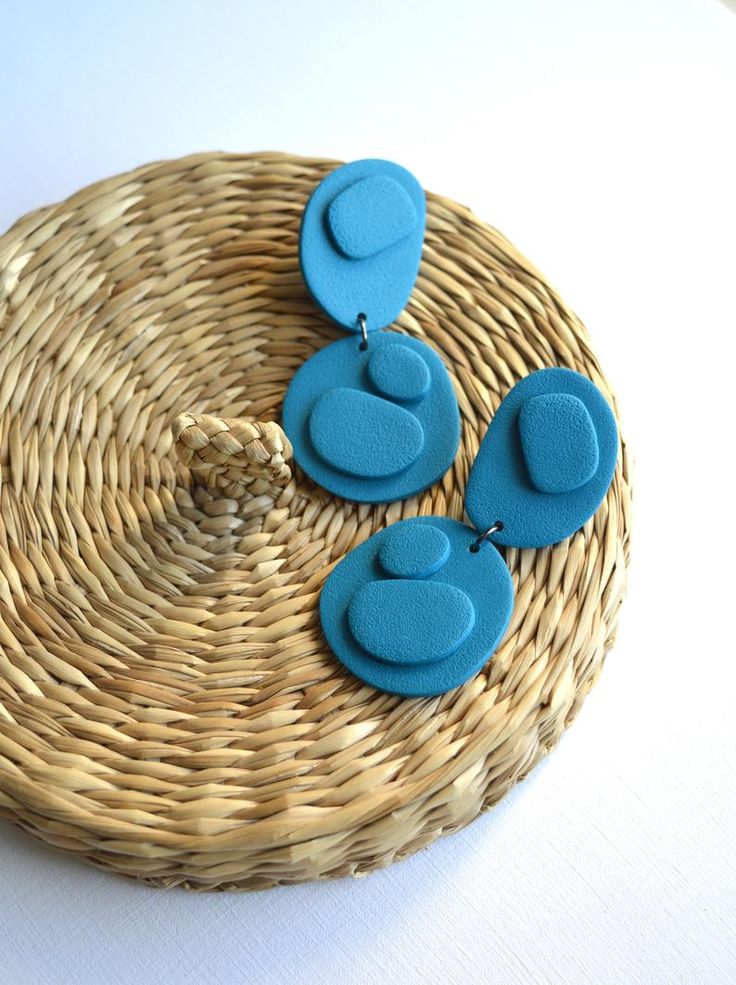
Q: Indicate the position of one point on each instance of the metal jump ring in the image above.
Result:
(363, 331)
(493, 529)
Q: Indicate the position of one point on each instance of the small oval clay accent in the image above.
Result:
(559, 442)
(410, 622)
(399, 373)
(413, 550)
(363, 435)
(370, 216)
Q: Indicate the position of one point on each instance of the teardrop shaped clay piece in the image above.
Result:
(363, 435)
(361, 241)
(546, 461)
(410, 622)
(370, 216)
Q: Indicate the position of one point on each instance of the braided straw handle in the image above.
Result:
(232, 454)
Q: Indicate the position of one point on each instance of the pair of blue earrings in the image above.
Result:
(418, 608)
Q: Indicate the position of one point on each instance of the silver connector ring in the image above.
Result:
(493, 529)
(363, 331)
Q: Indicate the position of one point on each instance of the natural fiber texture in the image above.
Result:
(230, 454)
(168, 707)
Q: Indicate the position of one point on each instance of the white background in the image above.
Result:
(599, 136)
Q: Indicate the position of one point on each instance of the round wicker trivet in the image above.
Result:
(168, 707)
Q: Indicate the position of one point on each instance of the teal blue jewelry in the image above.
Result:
(421, 606)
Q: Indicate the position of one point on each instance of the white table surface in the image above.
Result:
(600, 137)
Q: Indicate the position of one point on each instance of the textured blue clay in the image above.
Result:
(370, 216)
(533, 446)
(558, 441)
(399, 373)
(410, 622)
(415, 636)
(413, 551)
(361, 242)
(355, 432)
(353, 441)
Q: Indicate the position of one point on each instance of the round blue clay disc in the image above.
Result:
(361, 242)
(432, 627)
(546, 461)
(373, 425)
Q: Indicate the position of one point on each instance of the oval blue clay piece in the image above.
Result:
(399, 373)
(355, 442)
(370, 216)
(356, 433)
(417, 637)
(546, 462)
(413, 550)
(558, 441)
(410, 622)
(361, 241)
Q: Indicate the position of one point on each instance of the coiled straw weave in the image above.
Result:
(231, 455)
(168, 707)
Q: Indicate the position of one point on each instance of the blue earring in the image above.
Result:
(373, 417)
(418, 608)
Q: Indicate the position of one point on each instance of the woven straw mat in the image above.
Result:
(168, 706)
